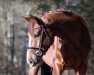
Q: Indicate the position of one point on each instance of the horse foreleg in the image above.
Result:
(82, 70)
(57, 68)
(34, 70)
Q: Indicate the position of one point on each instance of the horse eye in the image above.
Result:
(36, 35)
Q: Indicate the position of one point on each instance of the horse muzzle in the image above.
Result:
(35, 59)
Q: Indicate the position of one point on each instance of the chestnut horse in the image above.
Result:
(74, 47)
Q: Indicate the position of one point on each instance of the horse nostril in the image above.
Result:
(30, 62)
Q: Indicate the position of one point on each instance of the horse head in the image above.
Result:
(40, 39)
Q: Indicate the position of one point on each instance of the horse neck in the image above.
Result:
(58, 31)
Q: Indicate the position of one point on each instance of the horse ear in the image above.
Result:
(36, 19)
(29, 18)
(32, 19)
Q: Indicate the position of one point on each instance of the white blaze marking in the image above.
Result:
(30, 40)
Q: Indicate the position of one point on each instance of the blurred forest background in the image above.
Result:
(13, 37)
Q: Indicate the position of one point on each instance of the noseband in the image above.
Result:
(37, 57)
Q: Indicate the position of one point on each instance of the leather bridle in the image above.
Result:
(36, 57)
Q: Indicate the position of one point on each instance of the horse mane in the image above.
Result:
(60, 11)
(51, 17)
